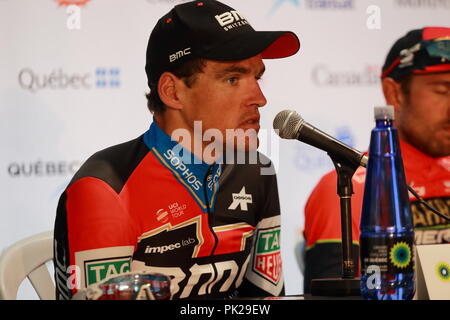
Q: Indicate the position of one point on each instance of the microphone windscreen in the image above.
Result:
(287, 124)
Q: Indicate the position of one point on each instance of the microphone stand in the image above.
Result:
(348, 284)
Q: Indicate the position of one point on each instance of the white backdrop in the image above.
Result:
(72, 82)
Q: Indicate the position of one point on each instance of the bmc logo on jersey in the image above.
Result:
(267, 261)
(231, 19)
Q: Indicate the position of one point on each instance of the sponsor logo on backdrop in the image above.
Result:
(309, 158)
(314, 4)
(43, 168)
(59, 79)
(324, 76)
(72, 2)
(421, 4)
(107, 77)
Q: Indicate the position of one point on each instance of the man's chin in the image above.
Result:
(249, 144)
(436, 149)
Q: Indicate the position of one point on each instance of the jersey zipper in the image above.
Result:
(210, 222)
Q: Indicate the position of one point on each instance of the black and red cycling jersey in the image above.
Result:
(148, 204)
(429, 177)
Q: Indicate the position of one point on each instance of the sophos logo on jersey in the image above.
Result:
(231, 19)
(181, 168)
(169, 247)
(212, 180)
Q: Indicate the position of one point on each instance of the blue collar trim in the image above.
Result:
(186, 167)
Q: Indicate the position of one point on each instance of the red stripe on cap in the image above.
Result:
(435, 68)
(390, 68)
(435, 32)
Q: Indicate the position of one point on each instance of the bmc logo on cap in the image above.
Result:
(230, 19)
(177, 55)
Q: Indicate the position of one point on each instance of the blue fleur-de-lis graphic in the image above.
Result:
(107, 77)
(277, 4)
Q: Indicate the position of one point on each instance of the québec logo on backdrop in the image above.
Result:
(59, 79)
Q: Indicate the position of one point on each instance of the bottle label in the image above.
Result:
(390, 254)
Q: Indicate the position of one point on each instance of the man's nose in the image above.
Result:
(258, 97)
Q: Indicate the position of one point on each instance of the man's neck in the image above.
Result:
(189, 137)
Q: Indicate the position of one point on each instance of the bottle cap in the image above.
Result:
(384, 113)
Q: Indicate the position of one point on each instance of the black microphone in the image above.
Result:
(290, 125)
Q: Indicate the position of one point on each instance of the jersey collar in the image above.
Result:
(422, 162)
(186, 167)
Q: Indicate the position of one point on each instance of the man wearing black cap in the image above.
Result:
(165, 202)
(416, 81)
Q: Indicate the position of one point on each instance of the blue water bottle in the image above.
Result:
(387, 234)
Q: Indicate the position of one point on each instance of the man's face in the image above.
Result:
(226, 96)
(423, 119)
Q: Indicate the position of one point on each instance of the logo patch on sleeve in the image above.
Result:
(99, 270)
(97, 264)
(267, 261)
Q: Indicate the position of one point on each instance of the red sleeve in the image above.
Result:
(96, 217)
(101, 233)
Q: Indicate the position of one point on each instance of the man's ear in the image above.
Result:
(168, 86)
(393, 93)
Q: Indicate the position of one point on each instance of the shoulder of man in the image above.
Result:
(114, 164)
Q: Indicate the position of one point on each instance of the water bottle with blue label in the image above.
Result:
(387, 234)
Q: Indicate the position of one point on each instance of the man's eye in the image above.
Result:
(442, 91)
(232, 80)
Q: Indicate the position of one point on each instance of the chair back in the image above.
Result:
(27, 259)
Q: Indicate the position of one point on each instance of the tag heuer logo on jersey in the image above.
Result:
(241, 199)
(267, 261)
(99, 270)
